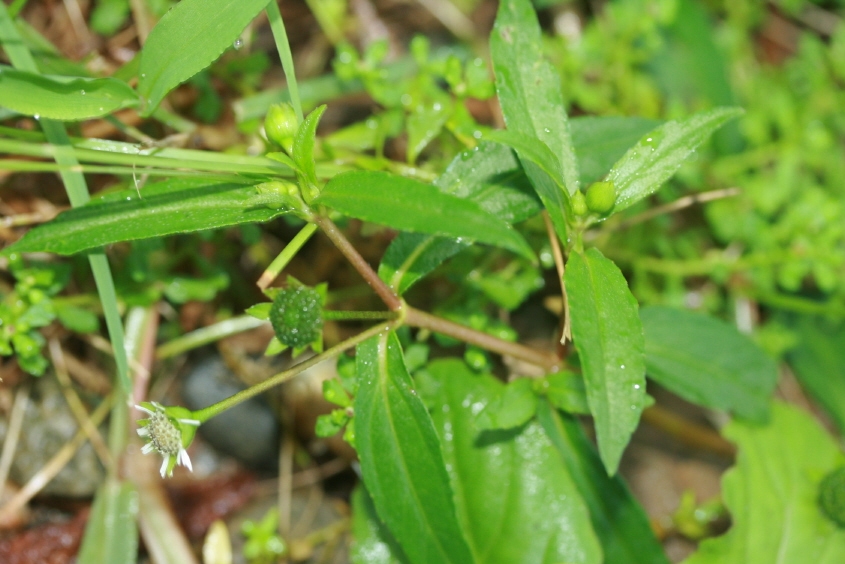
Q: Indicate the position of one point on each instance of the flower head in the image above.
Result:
(168, 431)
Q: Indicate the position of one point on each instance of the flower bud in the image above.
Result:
(601, 197)
(579, 204)
(280, 125)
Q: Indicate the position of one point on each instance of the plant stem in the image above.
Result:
(335, 315)
(206, 335)
(290, 250)
(388, 296)
(203, 415)
(417, 318)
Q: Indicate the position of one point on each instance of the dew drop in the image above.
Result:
(622, 366)
(437, 107)
(238, 44)
(82, 92)
(636, 386)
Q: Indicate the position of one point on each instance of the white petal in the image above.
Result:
(164, 465)
(185, 459)
(144, 409)
(143, 432)
(147, 448)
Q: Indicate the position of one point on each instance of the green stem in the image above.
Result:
(283, 46)
(335, 315)
(206, 335)
(290, 250)
(203, 415)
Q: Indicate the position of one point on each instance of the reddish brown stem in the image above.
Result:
(417, 318)
(388, 296)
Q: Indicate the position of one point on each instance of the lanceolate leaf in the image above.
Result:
(490, 176)
(652, 161)
(618, 519)
(401, 461)
(186, 40)
(164, 208)
(772, 494)
(409, 205)
(373, 542)
(303, 152)
(62, 98)
(515, 497)
(707, 361)
(601, 141)
(111, 535)
(607, 332)
(529, 92)
(531, 149)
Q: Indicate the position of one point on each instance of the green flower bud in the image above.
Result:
(601, 197)
(832, 496)
(579, 204)
(280, 125)
(297, 316)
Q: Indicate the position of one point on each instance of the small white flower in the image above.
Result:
(167, 434)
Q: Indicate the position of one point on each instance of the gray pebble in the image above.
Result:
(49, 425)
(249, 432)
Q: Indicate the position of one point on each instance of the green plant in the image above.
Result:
(444, 445)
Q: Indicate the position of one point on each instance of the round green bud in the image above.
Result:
(280, 125)
(579, 204)
(601, 197)
(832, 496)
(297, 316)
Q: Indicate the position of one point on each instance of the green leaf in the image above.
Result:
(532, 149)
(565, 390)
(818, 358)
(76, 318)
(618, 519)
(187, 39)
(424, 124)
(164, 208)
(706, 361)
(601, 141)
(373, 542)
(608, 334)
(513, 406)
(515, 497)
(490, 176)
(401, 461)
(410, 205)
(772, 494)
(63, 98)
(111, 535)
(529, 93)
(652, 161)
(303, 152)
